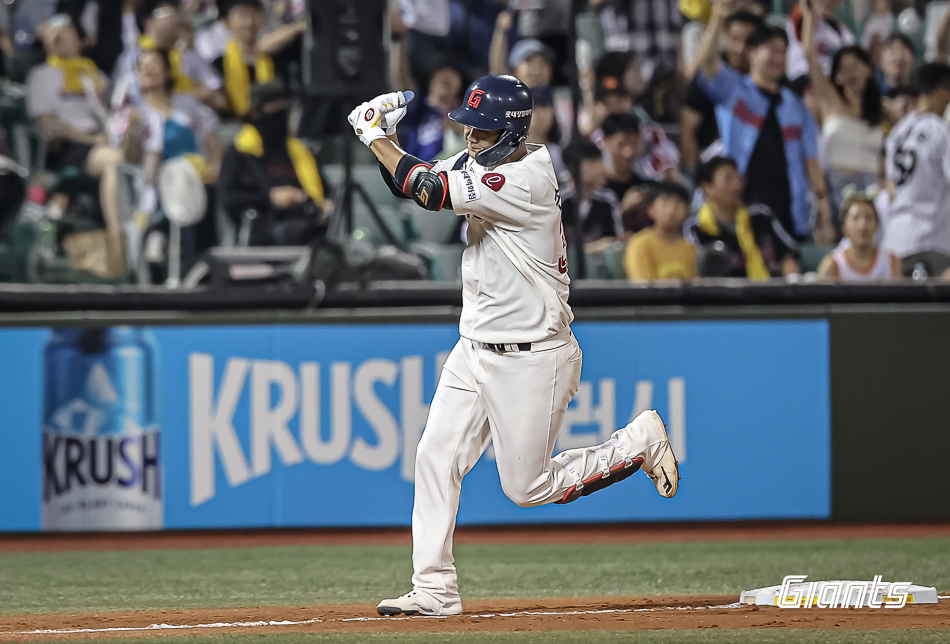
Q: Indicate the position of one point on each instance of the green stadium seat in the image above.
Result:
(812, 254)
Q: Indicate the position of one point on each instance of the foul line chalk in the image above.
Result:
(315, 620)
(538, 613)
(162, 627)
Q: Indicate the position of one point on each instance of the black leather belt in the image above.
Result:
(505, 348)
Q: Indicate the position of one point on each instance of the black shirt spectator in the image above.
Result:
(273, 174)
(766, 179)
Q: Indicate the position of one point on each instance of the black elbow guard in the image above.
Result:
(418, 181)
(430, 190)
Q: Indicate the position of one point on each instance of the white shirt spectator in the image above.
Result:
(828, 40)
(879, 26)
(125, 76)
(186, 112)
(430, 17)
(211, 41)
(46, 94)
(918, 162)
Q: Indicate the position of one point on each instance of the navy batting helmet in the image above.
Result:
(497, 102)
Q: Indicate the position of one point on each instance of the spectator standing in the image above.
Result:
(858, 259)
(532, 62)
(830, 36)
(246, 60)
(64, 96)
(917, 223)
(273, 173)
(766, 128)
(698, 127)
(427, 25)
(849, 101)
(660, 252)
(758, 247)
(896, 64)
(650, 29)
(161, 25)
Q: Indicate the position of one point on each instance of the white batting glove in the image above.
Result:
(393, 107)
(365, 121)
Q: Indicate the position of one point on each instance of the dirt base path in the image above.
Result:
(609, 613)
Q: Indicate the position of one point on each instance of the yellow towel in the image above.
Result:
(754, 265)
(73, 71)
(237, 80)
(249, 141)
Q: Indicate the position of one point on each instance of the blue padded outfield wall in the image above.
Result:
(269, 426)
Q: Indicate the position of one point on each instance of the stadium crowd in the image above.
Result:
(726, 138)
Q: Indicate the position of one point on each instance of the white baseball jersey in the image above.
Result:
(514, 270)
(918, 162)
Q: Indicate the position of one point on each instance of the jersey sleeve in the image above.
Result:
(492, 196)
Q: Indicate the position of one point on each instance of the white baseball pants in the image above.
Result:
(516, 401)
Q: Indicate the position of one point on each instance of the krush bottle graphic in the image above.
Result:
(101, 438)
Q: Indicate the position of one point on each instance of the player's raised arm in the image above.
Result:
(375, 122)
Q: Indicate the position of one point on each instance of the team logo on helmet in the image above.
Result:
(494, 180)
(475, 98)
(370, 113)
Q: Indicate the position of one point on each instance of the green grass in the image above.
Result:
(302, 576)
(748, 636)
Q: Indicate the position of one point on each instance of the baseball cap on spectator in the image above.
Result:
(526, 48)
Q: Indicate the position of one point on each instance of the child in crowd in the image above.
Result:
(661, 252)
(858, 259)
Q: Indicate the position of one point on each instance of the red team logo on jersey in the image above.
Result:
(562, 265)
(494, 180)
(475, 98)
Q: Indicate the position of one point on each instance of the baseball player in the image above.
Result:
(917, 222)
(516, 366)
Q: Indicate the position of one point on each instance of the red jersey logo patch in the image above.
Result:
(475, 98)
(494, 180)
(562, 265)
